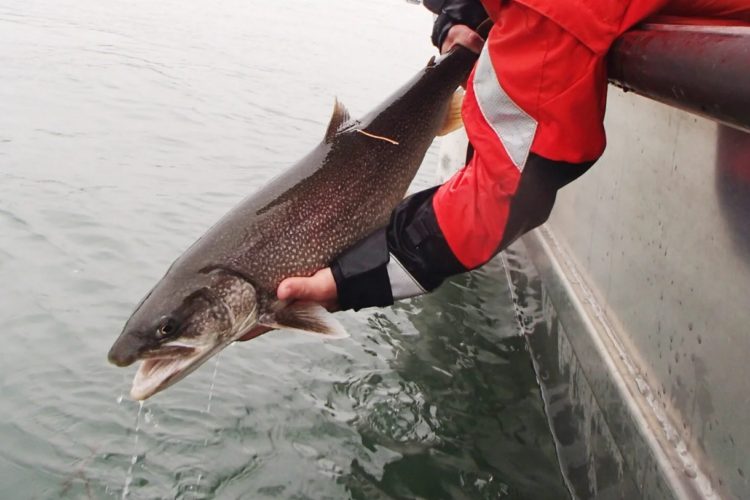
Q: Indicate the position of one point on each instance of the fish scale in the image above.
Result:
(224, 286)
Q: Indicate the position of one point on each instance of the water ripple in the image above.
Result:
(127, 130)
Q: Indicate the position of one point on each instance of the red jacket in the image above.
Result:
(597, 22)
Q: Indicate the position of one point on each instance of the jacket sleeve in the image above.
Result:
(452, 12)
(406, 258)
(411, 256)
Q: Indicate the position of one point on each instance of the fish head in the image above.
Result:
(182, 323)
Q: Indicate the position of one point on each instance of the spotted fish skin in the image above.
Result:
(343, 190)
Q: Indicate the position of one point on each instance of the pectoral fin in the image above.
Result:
(306, 317)
(453, 119)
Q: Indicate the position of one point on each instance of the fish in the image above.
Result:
(223, 287)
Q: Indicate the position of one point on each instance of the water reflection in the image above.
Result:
(590, 460)
(461, 408)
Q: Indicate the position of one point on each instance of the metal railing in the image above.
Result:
(700, 69)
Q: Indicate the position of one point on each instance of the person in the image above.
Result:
(533, 113)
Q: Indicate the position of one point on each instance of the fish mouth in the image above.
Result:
(161, 369)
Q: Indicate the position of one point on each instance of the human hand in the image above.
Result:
(460, 34)
(320, 288)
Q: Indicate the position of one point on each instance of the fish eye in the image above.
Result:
(167, 326)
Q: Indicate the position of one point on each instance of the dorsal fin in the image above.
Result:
(339, 118)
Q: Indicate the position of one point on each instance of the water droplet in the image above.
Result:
(134, 459)
(213, 383)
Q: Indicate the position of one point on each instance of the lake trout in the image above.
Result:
(223, 287)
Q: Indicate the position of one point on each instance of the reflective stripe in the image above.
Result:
(403, 284)
(512, 125)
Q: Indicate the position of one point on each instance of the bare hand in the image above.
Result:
(320, 288)
(460, 34)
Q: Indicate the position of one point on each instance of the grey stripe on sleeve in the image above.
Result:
(403, 284)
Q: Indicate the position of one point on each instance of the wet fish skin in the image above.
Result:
(224, 285)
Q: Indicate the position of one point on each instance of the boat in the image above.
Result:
(634, 296)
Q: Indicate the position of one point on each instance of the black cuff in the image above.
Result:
(361, 275)
(452, 12)
(440, 29)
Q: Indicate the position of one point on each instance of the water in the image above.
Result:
(126, 129)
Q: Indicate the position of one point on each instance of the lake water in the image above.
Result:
(126, 129)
